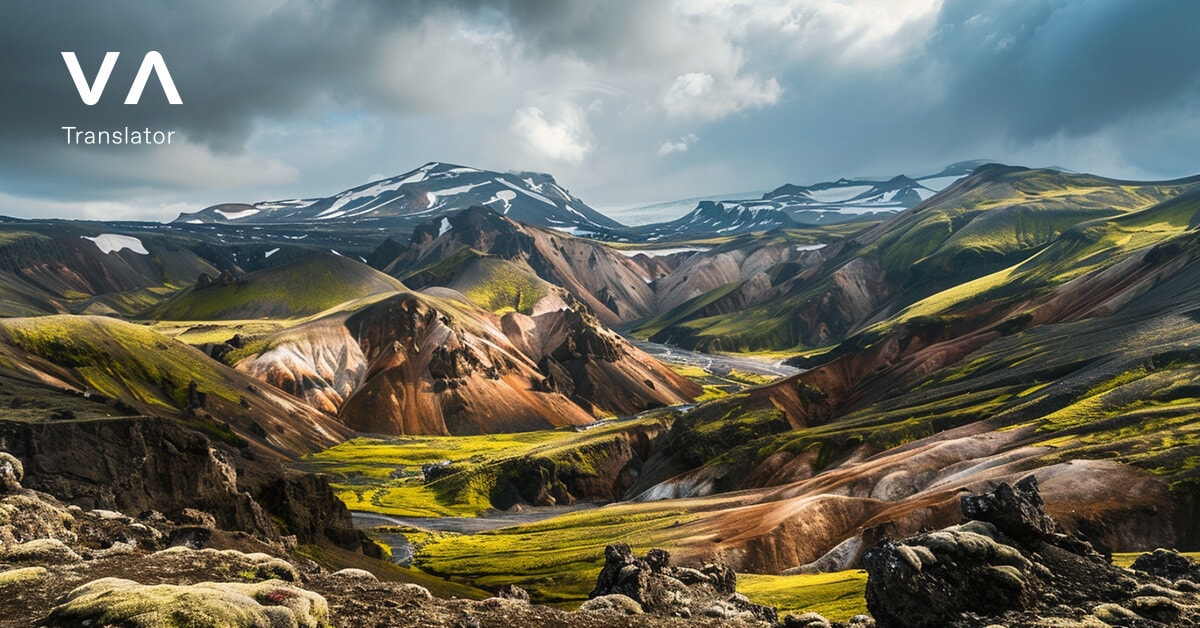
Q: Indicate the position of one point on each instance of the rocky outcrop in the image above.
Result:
(1009, 564)
(655, 586)
(141, 464)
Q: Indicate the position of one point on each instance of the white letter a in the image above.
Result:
(152, 62)
(90, 95)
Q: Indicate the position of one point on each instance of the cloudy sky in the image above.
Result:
(624, 102)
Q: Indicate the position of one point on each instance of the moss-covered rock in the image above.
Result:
(21, 574)
(253, 566)
(115, 601)
(40, 551)
(26, 516)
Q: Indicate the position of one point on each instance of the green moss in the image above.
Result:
(838, 596)
(119, 359)
(297, 289)
(556, 560)
(500, 286)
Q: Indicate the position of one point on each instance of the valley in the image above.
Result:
(466, 380)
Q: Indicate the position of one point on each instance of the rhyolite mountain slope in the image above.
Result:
(431, 191)
(434, 363)
(983, 224)
(613, 286)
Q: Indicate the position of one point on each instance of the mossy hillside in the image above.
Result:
(837, 596)
(384, 475)
(558, 559)
(441, 272)
(297, 289)
(499, 285)
(118, 359)
(1008, 234)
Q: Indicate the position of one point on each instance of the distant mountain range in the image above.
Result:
(437, 190)
(790, 205)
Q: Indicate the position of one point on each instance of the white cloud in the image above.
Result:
(567, 137)
(701, 95)
(680, 146)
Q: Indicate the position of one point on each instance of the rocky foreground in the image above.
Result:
(1008, 564)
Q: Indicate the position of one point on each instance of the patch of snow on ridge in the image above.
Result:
(111, 243)
(663, 252)
(271, 252)
(444, 228)
(246, 213)
(838, 194)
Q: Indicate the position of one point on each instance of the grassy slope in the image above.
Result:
(111, 357)
(296, 289)
(361, 470)
(964, 243)
(499, 285)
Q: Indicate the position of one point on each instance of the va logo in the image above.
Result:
(152, 62)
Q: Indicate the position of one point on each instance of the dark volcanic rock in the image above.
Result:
(1016, 511)
(665, 589)
(139, 464)
(1007, 565)
(1167, 564)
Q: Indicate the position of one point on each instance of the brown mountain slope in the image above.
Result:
(434, 363)
(147, 373)
(614, 286)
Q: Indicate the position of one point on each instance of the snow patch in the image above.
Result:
(111, 243)
(444, 228)
(663, 252)
(246, 213)
(271, 252)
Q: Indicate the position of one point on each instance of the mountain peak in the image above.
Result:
(433, 190)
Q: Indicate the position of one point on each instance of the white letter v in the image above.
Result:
(90, 95)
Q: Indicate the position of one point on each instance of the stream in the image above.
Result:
(714, 363)
(402, 550)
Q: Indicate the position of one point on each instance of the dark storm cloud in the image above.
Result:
(767, 91)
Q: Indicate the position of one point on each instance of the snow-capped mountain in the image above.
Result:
(717, 218)
(430, 191)
(829, 202)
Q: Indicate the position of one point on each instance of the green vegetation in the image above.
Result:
(556, 560)
(384, 475)
(301, 288)
(838, 595)
(500, 286)
(119, 359)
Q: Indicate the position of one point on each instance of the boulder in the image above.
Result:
(11, 473)
(48, 551)
(1168, 564)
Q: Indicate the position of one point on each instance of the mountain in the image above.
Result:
(431, 191)
(830, 202)
(615, 287)
(981, 225)
(307, 285)
(434, 363)
(129, 370)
